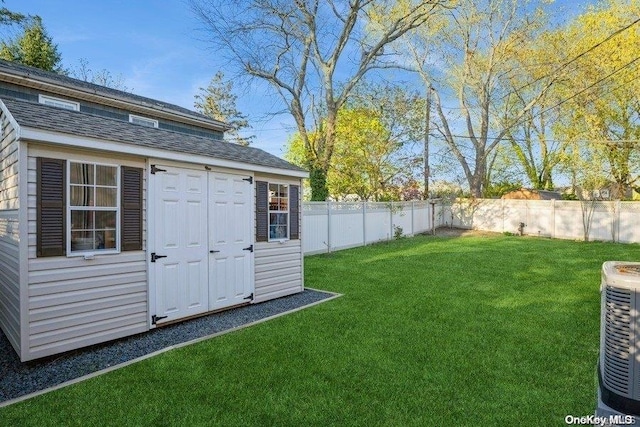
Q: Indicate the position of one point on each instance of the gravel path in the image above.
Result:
(18, 379)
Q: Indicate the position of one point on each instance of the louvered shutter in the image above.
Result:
(131, 213)
(51, 207)
(294, 212)
(262, 211)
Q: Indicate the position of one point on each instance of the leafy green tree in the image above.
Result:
(601, 115)
(219, 102)
(34, 48)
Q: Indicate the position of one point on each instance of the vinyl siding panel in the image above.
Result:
(9, 277)
(73, 302)
(278, 269)
(9, 234)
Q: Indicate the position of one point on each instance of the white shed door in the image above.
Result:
(230, 242)
(180, 254)
(202, 256)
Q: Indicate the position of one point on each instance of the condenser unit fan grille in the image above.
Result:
(618, 340)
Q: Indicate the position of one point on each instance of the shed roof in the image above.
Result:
(76, 123)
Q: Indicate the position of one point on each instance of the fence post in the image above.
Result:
(553, 218)
(328, 225)
(364, 223)
(619, 206)
(413, 207)
(391, 221)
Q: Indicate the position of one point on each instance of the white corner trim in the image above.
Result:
(13, 121)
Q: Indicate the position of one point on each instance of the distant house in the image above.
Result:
(532, 194)
(119, 213)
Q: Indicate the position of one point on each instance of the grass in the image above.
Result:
(430, 331)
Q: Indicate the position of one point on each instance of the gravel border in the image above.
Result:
(19, 381)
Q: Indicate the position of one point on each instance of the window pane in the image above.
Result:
(277, 231)
(105, 239)
(106, 175)
(278, 219)
(106, 220)
(82, 241)
(81, 173)
(283, 190)
(284, 204)
(82, 220)
(106, 197)
(81, 196)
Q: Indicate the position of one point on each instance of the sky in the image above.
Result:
(158, 49)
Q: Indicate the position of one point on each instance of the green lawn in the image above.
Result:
(430, 331)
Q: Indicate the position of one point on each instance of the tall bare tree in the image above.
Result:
(469, 58)
(312, 53)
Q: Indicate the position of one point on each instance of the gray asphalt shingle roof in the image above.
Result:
(77, 123)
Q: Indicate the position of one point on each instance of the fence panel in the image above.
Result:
(347, 228)
(331, 226)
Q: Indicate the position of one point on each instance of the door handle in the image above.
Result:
(213, 252)
(154, 256)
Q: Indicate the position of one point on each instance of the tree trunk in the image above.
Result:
(318, 182)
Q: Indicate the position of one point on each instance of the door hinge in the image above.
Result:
(155, 319)
(155, 169)
(250, 297)
(249, 180)
(154, 257)
(249, 248)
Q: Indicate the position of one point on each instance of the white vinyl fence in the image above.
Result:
(563, 219)
(331, 226)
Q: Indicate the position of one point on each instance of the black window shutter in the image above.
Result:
(262, 211)
(294, 212)
(51, 207)
(131, 213)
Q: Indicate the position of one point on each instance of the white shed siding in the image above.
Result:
(279, 266)
(73, 302)
(278, 269)
(9, 277)
(9, 235)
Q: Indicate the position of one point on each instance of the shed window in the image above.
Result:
(278, 211)
(93, 207)
(87, 207)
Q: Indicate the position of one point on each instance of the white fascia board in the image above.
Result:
(13, 121)
(119, 147)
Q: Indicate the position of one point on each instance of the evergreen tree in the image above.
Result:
(34, 48)
(218, 102)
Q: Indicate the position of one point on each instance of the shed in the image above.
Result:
(120, 213)
(532, 194)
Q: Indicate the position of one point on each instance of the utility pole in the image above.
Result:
(427, 121)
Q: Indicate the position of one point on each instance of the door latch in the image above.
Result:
(213, 252)
(154, 257)
(248, 248)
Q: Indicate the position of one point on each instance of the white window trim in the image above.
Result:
(90, 253)
(146, 119)
(75, 106)
(288, 212)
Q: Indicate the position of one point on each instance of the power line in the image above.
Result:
(580, 55)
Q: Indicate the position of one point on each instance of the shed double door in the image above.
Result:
(202, 256)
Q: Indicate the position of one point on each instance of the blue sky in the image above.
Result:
(154, 46)
(157, 48)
